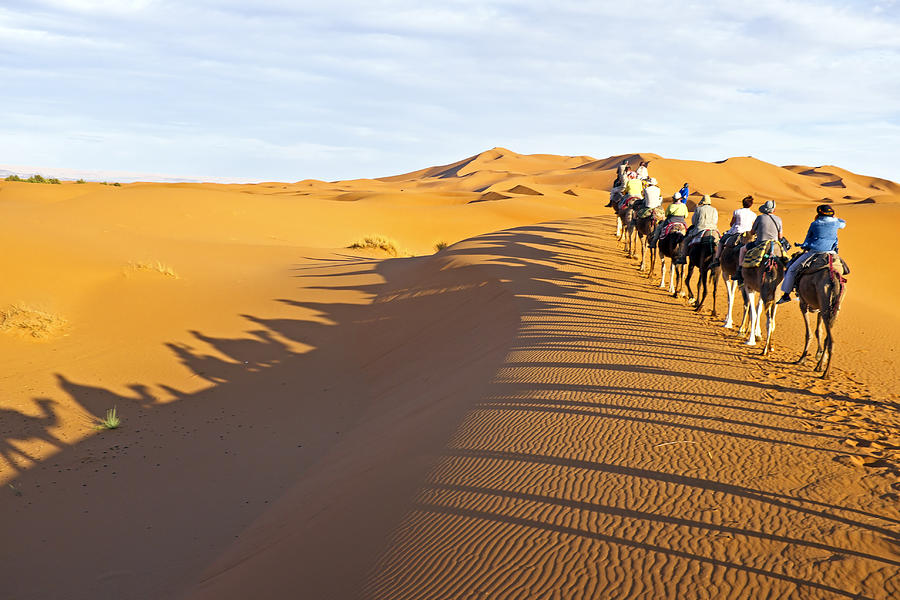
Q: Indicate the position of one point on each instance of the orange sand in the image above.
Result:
(519, 415)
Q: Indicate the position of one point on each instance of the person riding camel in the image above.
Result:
(822, 236)
(766, 227)
(685, 192)
(634, 187)
(741, 222)
(705, 217)
(642, 172)
(652, 195)
(675, 213)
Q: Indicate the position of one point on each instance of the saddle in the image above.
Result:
(646, 212)
(629, 201)
(731, 240)
(709, 234)
(819, 261)
(761, 252)
(672, 228)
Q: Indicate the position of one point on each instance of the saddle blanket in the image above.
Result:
(756, 255)
(707, 234)
(819, 261)
(672, 228)
(645, 212)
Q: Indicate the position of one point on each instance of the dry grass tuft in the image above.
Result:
(154, 266)
(376, 242)
(440, 246)
(30, 321)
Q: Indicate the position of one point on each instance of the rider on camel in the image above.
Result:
(685, 192)
(705, 217)
(642, 172)
(676, 213)
(766, 227)
(652, 195)
(634, 187)
(741, 222)
(821, 237)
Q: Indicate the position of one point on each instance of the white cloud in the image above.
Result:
(292, 88)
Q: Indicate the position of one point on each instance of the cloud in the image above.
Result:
(353, 88)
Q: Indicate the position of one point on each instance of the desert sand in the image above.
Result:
(520, 414)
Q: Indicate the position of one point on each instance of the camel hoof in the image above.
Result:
(728, 326)
(750, 343)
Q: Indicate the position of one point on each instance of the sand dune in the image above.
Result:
(520, 414)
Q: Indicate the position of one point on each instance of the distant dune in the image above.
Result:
(315, 402)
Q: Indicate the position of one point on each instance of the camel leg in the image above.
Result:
(701, 289)
(715, 286)
(829, 342)
(751, 306)
(770, 326)
(806, 339)
(643, 253)
(820, 345)
(745, 318)
(662, 272)
(730, 291)
(759, 312)
(672, 276)
(618, 227)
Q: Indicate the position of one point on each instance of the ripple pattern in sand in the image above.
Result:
(625, 452)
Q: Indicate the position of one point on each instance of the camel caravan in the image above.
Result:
(751, 256)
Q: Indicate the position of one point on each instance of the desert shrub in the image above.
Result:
(440, 246)
(53, 180)
(117, 184)
(111, 421)
(36, 179)
(81, 181)
(376, 242)
(13, 178)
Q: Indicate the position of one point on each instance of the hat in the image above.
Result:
(767, 207)
(825, 210)
(652, 181)
(705, 199)
(676, 196)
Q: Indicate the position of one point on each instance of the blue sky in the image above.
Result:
(275, 90)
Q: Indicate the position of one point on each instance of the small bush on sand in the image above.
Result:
(13, 178)
(30, 321)
(440, 246)
(36, 179)
(154, 266)
(53, 180)
(117, 184)
(111, 421)
(81, 181)
(376, 242)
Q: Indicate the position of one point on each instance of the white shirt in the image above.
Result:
(642, 172)
(652, 197)
(743, 220)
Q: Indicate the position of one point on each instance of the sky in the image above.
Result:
(277, 90)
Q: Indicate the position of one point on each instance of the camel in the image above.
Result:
(668, 247)
(26, 427)
(701, 256)
(821, 290)
(728, 265)
(764, 281)
(643, 227)
(625, 212)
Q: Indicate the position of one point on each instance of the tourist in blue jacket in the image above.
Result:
(685, 192)
(821, 237)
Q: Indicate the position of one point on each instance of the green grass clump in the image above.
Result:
(111, 421)
(376, 242)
